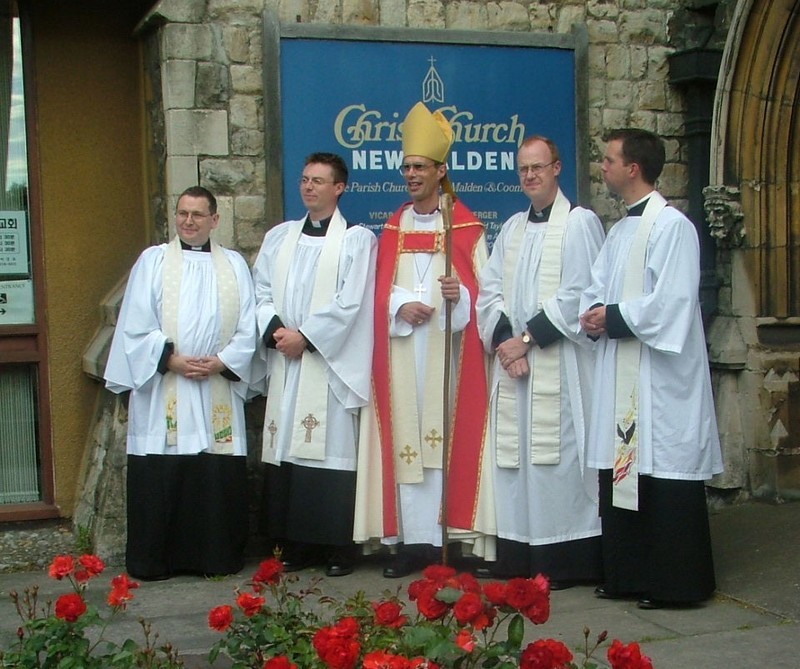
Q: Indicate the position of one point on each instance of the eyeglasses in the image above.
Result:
(194, 215)
(315, 181)
(535, 170)
(405, 168)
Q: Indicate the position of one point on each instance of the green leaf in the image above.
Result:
(516, 631)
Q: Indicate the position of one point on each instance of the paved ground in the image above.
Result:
(753, 621)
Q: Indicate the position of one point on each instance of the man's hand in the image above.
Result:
(518, 368)
(511, 350)
(289, 342)
(451, 288)
(415, 313)
(195, 367)
(593, 321)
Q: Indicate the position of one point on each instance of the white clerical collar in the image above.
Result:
(638, 202)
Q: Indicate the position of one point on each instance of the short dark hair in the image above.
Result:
(199, 191)
(334, 161)
(642, 147)
(554, 153)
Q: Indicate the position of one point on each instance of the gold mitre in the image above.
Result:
(427, 134)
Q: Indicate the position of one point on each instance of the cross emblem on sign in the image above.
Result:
(272, 429)
(434, 438)
(309, 422)
(408, 454)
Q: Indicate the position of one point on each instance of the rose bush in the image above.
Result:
(55, 636)
(457, 623)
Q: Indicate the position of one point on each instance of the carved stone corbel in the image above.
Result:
(723, 208)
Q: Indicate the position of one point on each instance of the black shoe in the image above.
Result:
(649, 604)
(339, 565)
(298, 557)
(562, 585)
(483, 572)
(604, 592)
(401, 565)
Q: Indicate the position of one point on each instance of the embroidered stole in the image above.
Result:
(418, 440)
(309, 425)
(545, 376)
(625, 483)
(228, 306)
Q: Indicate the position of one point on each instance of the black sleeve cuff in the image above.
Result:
(616, 326)
(543, 331)
(169, 349)
(502, 331)
(309, 346)
(231, 376)
(274, 324)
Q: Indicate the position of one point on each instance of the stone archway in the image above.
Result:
(754, 206)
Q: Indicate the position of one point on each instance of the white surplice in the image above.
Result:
(340, 331)
(542, 504)
(139, 342)
(678, 436)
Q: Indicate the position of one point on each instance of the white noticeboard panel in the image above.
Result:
(14, 243)
(16, 302)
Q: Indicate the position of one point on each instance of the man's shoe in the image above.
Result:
(648, 604)
(400, 566)
(562, 585)
(338, 565)
(483, 572)
(604, 592)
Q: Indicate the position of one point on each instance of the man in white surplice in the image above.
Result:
(653, 428)
(547, 517)
(183, 346)
(314, 281)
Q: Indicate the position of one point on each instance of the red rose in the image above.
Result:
(468, 607)
(538, 612)
(465, 641)
(220, 617)
(92, 564)
(347, 628)
(545, 654)
(249, 604)
(627, 657)
(495, 592)
(121, 587)
(468, 583)
(279, 662)
(429, 606)
(70, 607)
(82, 576)
(61, 566)
(382, 660)
(438, 573)
(269, 572)
(388, 614)
(339, 652)
(520, 593)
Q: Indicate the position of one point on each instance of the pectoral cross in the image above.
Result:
(434, 438)
(408, 454)
(309, 422)
(272, 429)
(419, 290)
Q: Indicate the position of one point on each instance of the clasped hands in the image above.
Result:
(512, 354)
(291, 343)
(593, 321)
(197, 367)
(417, 313)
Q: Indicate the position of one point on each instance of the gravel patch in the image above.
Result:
(31, 546)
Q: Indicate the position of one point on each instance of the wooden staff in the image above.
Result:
(446, 205)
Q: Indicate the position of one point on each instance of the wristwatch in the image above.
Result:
(526, 338)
